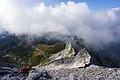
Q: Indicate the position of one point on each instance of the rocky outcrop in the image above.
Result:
(38, 75)
(68, 58)
(68, 52)
(82, 58)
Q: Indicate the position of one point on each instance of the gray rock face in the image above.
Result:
(82, 58)
(68, 58)
(38, 75)
(68, 52)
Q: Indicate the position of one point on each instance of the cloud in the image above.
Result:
(65, 18)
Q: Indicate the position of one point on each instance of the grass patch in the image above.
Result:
(43, 52)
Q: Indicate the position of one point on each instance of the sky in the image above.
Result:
(91, 20)
(94, 4)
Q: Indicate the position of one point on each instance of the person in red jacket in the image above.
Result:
(24, 71)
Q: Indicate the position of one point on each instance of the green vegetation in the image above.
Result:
(43, 52)
(24, 54)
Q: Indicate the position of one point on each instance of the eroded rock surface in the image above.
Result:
(68, 52)
(82, 58)
(68, 58)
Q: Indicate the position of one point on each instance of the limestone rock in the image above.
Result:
(68, 58)
(68, 52)
(82, 58)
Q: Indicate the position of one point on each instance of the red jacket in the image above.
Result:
(23, 69)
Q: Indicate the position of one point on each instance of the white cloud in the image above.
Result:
(69, 19)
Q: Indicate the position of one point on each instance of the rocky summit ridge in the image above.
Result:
(68, 58)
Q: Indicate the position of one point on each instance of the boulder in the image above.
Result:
(38, 74)
(82, 58)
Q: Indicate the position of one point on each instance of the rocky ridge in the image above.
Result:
(68, 58)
